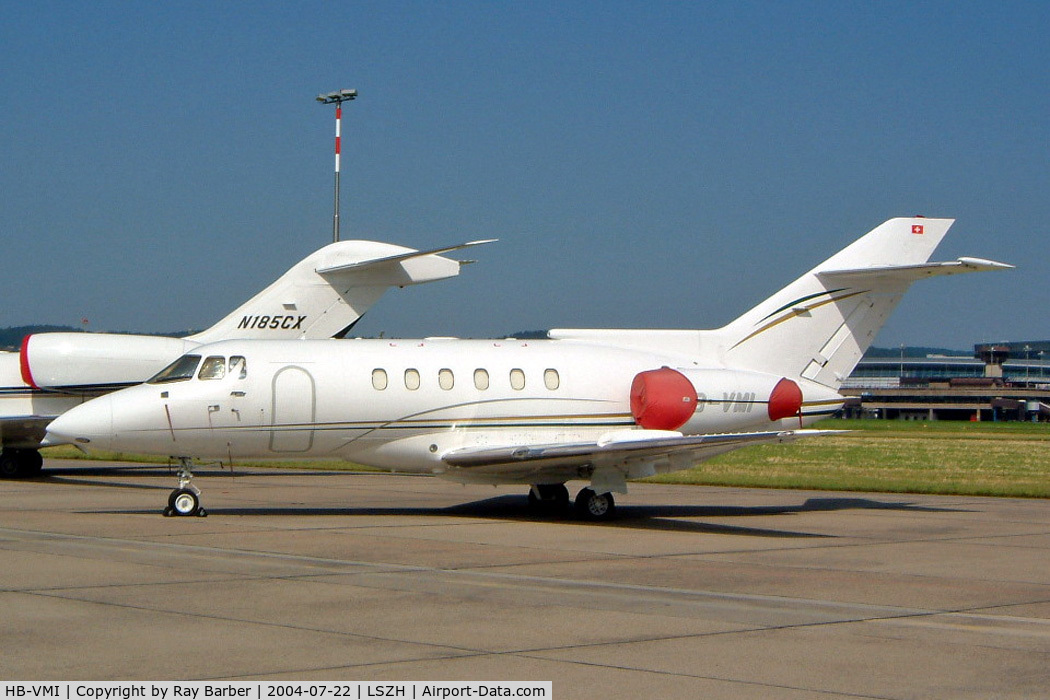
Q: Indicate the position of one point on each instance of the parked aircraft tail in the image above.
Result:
(320, 297)
(327, 292)
(820, 325)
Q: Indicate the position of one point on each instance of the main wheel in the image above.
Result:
(184, 502)
(595, 506)
(555, 493)
(19, 464)
(32, 462)
(549, 496)
(9, 466)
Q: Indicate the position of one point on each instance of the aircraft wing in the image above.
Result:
(23, 432)
(619, 450)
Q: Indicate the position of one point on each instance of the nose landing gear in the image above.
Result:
(186, 499)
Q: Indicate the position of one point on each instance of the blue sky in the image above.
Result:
(644, 164)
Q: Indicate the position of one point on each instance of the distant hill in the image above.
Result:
(909, 350)
(528, 335)
(11, 338)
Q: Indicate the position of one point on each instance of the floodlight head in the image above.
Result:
(337, 97)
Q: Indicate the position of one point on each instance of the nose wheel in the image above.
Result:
(186, 499)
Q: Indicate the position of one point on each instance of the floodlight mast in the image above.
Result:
(337, 98)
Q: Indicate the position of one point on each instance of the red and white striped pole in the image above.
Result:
(337, 98)
(335, 216)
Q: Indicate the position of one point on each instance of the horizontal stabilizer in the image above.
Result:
(908, 273)
(391, 259)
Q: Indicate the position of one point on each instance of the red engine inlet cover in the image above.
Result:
(23, 363)
(785, 401)
(662, 399)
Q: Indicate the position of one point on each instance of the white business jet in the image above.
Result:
(602, 406)
(322, 296)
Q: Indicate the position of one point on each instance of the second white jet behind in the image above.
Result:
(602, 406)
(321, 296)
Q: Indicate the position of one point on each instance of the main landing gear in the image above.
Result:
(549, 496)
(596, 507)
(186, 499)
(20, 464)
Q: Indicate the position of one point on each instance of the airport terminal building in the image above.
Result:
(1007, 381)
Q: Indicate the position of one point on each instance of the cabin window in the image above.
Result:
(481, 379)
(178, 371)
(551, 380)
(379, 380)
(239, 366)
(213, 368)
(517, 379)
(411, 379)
(446, 380)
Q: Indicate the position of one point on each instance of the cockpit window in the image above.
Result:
(239, 366)
(213, 368)
(179, 370)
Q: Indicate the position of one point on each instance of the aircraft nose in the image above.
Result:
(89, 425)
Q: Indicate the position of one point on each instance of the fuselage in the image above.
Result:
(403, 404)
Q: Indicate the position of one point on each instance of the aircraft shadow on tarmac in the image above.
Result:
(89, 476)
(164, 471)
(513, 507)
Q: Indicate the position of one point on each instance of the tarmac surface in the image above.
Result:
(691, 593)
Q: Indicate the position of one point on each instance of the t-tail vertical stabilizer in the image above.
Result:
(327, 292)
(820, 325)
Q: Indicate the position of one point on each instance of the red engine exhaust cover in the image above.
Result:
(785, 400)
(662, 399)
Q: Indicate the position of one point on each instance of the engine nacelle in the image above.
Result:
(89, 362)
(695, 401)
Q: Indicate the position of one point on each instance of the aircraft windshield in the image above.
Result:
(179, 370)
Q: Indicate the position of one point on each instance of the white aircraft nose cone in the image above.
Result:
(88, 425)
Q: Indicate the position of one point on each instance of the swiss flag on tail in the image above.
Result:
(916, 228)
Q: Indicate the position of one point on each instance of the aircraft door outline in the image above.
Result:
(294, 403)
